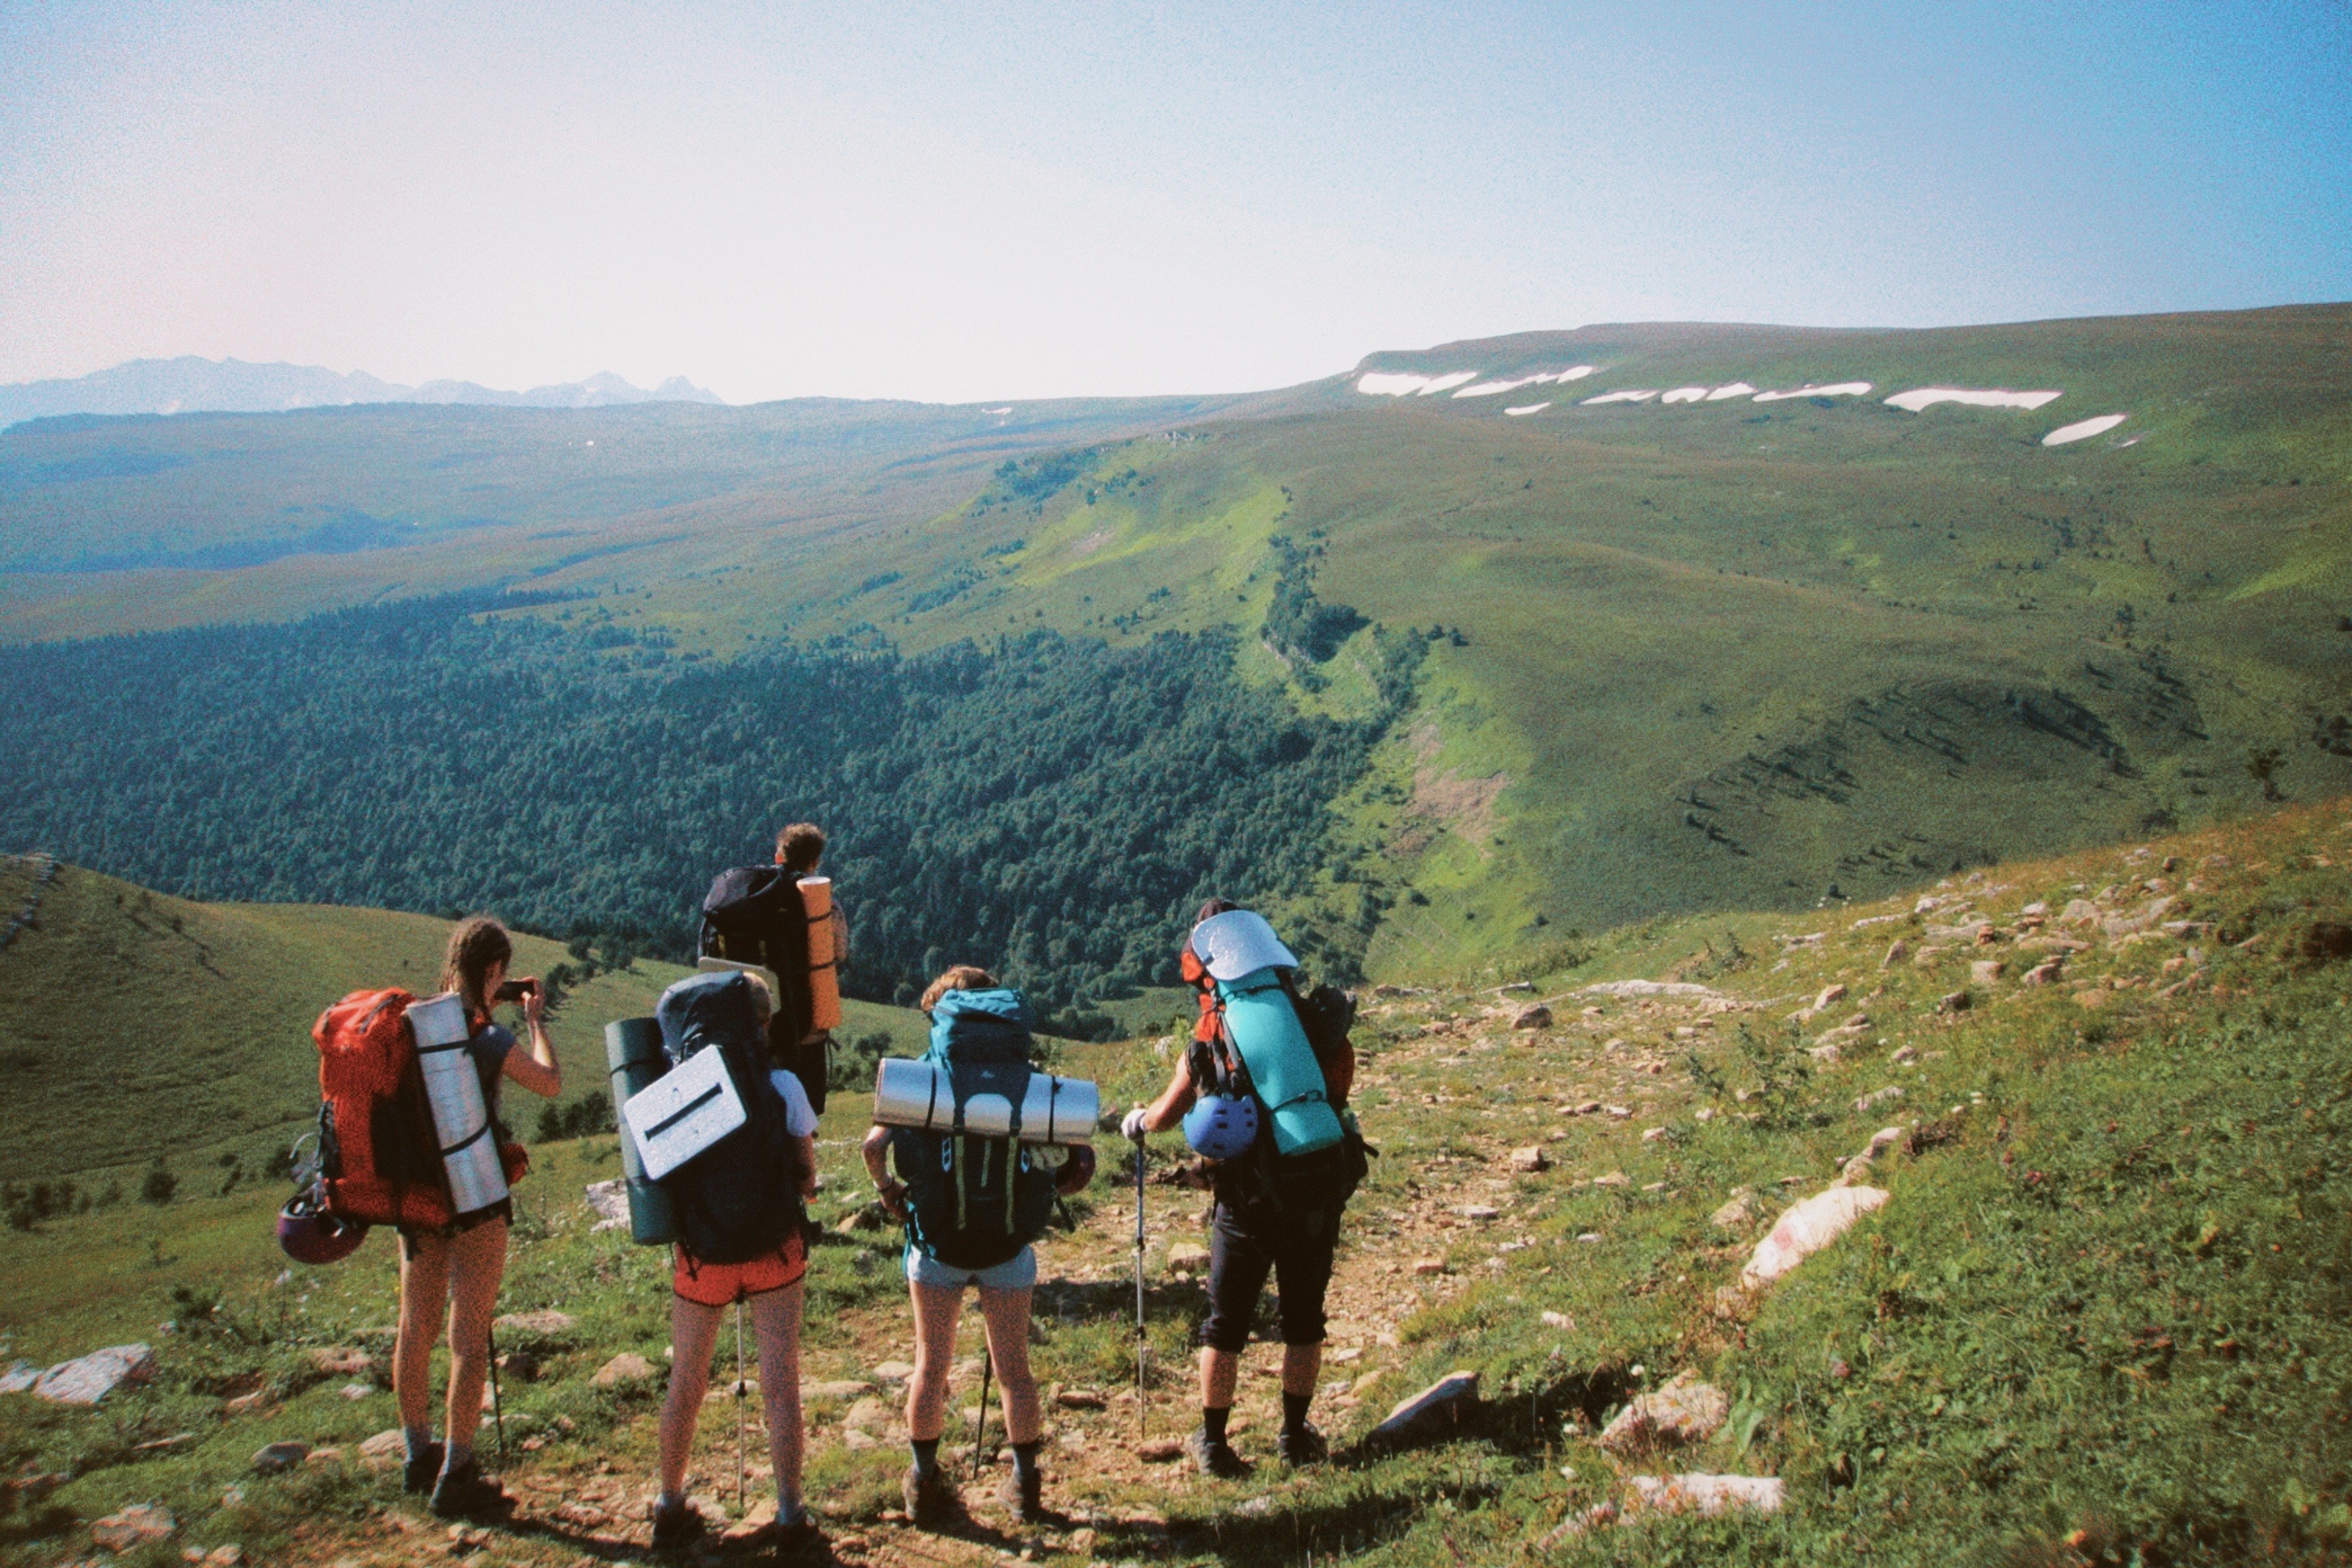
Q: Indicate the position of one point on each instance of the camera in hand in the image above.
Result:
(516, 990)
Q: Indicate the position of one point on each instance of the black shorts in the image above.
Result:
(1296, 1249)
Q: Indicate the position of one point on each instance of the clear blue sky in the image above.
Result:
(977, 201)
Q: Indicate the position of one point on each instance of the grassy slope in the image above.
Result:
(2116, 1263)
(133, 1024)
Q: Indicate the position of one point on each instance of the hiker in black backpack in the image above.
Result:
(739, 1206)
(1265, 1099)
(765, 916)
(972, 1205)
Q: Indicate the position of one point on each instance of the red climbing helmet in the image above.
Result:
(308, 1233)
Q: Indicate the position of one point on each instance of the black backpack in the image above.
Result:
(740, 1198)
(975, 1202)
(753, 914)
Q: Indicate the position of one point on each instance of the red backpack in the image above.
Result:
(379, 1159)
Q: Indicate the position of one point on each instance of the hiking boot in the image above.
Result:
(417, 1476)
(675, 1526)
(1024, 1499)
(789, 1541)
(463, 1491)
(926, 1494)
(1215, 1459)
(1301, 1445)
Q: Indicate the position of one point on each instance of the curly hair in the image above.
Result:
(962, 977)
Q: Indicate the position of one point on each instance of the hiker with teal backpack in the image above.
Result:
(974, 1205)
(1262, 1093)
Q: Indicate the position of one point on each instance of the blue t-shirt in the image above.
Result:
(489, 1047)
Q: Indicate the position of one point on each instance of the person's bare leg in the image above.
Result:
(693, 1333)
(423, 1293)
(478, 1262)
(776, 1317)
(1006, 1315)
(936, 1308)
(1301, 1366)
(1220, 1372)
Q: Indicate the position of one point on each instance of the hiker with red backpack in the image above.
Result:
(1262, 1093)
(973, 1204)
(452, 1263)
(739, 1206)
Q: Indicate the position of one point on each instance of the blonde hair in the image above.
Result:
(962, 977)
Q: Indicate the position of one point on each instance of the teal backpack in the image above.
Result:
(1265, 1028)
(975, 1202)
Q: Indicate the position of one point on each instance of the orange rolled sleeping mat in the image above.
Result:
(824, 988)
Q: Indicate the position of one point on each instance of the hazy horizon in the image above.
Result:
(994, 204)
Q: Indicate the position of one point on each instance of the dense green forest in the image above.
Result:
(1053, 807)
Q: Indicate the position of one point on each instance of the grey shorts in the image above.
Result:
(1018, 1272)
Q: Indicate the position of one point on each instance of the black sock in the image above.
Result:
(927, 1453)
(1212, 1422)
(1293, 1411)
(1024, 1461)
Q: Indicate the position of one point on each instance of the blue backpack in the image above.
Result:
(975, 1202)
(740, 1198)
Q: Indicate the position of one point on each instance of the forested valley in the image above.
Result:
(1053, 807)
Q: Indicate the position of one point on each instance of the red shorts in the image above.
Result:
(724, 1284)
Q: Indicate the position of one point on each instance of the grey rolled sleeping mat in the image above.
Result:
(633, 1050)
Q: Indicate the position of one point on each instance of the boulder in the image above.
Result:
(1831, 994)
(1188, 1258)
(134, 1526)
(1738, 1213)
(628, 1367)
(611, 1202)
(1550, 1321)
(19, 1377)
(1878, 1096)
(2046, 973)
(546, 1321)
(1478, 1213)
(1955, 1002)
(229, 1556)
(1080, 1399)
(1685, 1411)
(1530, 1158)
(1807, 1227)
(246, 1404)
(868, 1413)
(1896, 951)
(277, 1457)
(1613, 1179)
(1536, 1017)
(843, 1388)
(1428, 1266)
(894, 1371)
(1160, 1450)
(1709, 1494)
(88, 1379)
(1435, 1409)
(341, 1361)
(385, 1449)
(1985, 970)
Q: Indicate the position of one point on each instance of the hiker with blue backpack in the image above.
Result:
(737, 1206)
(1262, 1094)
(979, 1166)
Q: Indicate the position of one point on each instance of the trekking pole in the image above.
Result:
(498, 1414)
(1142, 1345)
(738, 1408)
(987, 1365)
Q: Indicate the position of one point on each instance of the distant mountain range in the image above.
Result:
(189, 385)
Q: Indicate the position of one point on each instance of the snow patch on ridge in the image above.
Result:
(2084, 429)
(1920, 399)
(1621, 397)
(1832, 389)
(1525, 409)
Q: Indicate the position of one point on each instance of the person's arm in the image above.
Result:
(805, 1151)
(1170, 1108)
(536, 1071)
(877, 1150)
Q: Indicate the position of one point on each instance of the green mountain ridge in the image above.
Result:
(1690, 656)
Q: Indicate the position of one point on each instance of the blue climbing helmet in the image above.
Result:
(1221, 1127)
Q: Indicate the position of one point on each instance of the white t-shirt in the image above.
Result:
(800, 1119)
